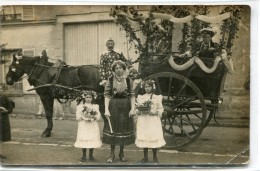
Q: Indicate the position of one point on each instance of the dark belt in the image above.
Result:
(120, 95)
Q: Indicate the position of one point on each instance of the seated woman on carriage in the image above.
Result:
(207, 48)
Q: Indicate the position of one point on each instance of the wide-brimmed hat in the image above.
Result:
(209, 31)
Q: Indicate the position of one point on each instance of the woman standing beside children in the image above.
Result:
(149, 133)
(88, 135)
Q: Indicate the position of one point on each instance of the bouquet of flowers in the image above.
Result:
(144, 106)
(88, 114)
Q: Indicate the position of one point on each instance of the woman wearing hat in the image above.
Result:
(119, 107)
(207, 48)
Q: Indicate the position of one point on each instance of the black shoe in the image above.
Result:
(83, 159)
(122, 158)
(91, 158)
(144, 160)
(155, 160)
(111, 159)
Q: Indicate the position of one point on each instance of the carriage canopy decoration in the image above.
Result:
(151, 32)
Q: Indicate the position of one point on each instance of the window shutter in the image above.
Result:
(28, 12)
(29, 52)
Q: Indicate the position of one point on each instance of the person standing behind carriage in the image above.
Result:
(119, 107)
(107, 59)
(149, 133)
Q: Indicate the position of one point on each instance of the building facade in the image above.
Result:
(77, 35)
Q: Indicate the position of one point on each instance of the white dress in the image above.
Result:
(149, 133)
(88, 135)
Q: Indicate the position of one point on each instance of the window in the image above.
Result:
(28, 12)
(10, 13)
(17, 88)
(29, 52)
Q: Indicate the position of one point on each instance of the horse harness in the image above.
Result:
(37, 70)
(39, 65)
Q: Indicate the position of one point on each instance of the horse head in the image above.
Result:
(16, 70)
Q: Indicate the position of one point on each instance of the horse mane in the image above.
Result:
(34, 59)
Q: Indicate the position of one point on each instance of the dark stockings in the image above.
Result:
(121, 154)
(155, 160)
(84, 151)
(112, 152)
(83, 158)
(121, 150)
(146, 153)
(84, 154)
(145, 159)
(91, 154)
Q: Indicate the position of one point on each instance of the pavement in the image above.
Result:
(218, 146)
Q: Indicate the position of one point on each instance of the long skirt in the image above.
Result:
(149, 133)
(122, 124)
(5, 129)
(88, 135)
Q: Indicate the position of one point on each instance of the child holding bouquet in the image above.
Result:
(88, 135)
(149, 133)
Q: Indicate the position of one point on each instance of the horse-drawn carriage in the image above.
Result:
(190, 97)
(190, 86)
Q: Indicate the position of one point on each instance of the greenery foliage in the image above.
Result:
(152, 31)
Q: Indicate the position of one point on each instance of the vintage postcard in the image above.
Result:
(105, 86)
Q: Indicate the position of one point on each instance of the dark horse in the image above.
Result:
(40, 72)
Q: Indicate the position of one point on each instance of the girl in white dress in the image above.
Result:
(88, 135)
(149, 133)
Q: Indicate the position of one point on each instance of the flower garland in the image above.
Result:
(191, 62)
(227, 62)
(230, 27)
(160, 20)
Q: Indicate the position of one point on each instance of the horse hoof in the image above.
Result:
(45, 134)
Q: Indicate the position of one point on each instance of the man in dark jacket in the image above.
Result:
(6, 107)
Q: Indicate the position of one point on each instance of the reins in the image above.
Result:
(22, 78)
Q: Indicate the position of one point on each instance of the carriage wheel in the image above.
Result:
(184, 106)
(211, 110)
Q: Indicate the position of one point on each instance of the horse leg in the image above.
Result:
(48, 106)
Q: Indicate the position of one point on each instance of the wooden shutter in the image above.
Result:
(28, 12)
(29, 52)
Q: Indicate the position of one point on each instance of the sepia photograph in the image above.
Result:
(115, 86)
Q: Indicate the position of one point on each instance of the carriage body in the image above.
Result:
(190, 97)
(210, 84)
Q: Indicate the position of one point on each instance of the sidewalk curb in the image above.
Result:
(239, 122)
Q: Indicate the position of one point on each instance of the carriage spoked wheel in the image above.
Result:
(211, 106)
(185, 110)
